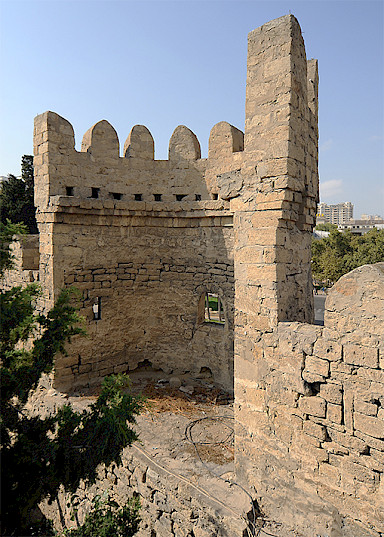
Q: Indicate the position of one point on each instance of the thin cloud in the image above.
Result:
(375, 138)
(330, 189)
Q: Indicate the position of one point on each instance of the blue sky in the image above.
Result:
(162, 64)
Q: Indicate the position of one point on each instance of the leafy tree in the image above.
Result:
(7, 231)
(327, 226)
(17, 197)
(27, 170)
(106, 519)
(339, 253)
(369, 248)
(41, 454)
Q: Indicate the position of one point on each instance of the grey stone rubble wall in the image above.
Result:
(152, 273)
(25, 252)
(155, 316)
(151, 311)
(171, 505)
(179, 496)
(314, 407)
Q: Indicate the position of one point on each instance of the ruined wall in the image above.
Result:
(314, 408)
(145, 240)
(149, 287)
(171, 504)
(25, 253)
(309, 397)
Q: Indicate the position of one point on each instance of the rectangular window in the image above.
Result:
(214, 311)
(138, 197)
(215, 196)
(179, 197)
(157, 197)
(198, 197)
(116, 195)
(70, 191)
(95, 192)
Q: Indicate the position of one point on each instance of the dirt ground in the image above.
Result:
(187, 427)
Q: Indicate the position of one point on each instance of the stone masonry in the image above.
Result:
(144, 240)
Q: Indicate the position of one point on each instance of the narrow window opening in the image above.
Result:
(96, 308)
(157, 197)
(116, 195)
(138, 197)
(214, 311)
(215, 196)
(70, 191)
(95, 192)
(179, 197)
(198, 197)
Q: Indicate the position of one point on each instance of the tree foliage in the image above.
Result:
(17, 197)
(7, 231)
(41, 454)
(327, 226)
(339, 253)
(106, 519)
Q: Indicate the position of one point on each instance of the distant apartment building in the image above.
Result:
(370, 217)
(359, 227)
(335, 214)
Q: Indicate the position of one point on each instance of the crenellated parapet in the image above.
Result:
(267, 177)
(98, 171)
(139, 144)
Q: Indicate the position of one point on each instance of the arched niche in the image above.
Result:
(183, 145)
(101, 141)
(139, 144)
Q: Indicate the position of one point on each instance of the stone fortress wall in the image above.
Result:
(146, 239)
(26, 260)
(310, 401)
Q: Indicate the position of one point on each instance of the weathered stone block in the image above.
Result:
(363, 356)
(333, 393)
(369, 425)
(315, 430)
(310, 377)
(327, 349)
(316, 406)
(346, 440)
(334, 413)
(358, 471)
(331, 474)
(317, 365)
(373, 375)
(368, 409)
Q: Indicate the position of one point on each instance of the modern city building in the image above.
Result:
(335, 214)
(359, 227)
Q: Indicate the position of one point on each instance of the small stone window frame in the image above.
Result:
(157, 197)
(69, 191)
(138, 197)
(116, 195)
(211, 309)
